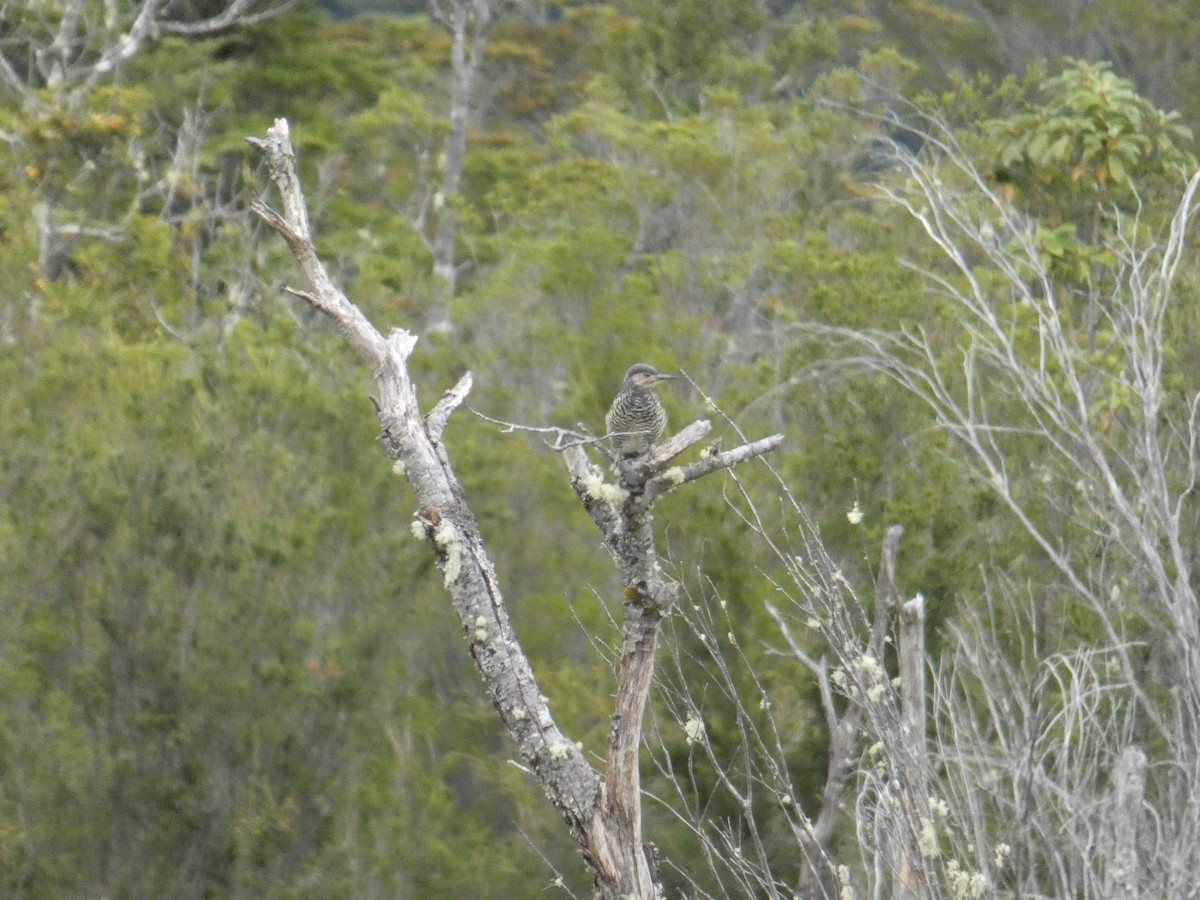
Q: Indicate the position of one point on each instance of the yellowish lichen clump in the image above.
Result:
(448, 539)
(599, 489)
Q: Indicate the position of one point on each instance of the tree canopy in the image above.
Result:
(228, 668)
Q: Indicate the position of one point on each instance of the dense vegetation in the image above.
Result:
(226, 667)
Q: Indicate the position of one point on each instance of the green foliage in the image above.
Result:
(664, 58)
(222, 652)
(1093, 134)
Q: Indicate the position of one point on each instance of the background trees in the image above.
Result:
(225, 673)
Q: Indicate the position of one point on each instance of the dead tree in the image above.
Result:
(468, 23)
(1018, 382)
(601, 809)
(74, 46)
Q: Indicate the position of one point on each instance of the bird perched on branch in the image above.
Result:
(637, 418)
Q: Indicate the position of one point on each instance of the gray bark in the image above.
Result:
(603, 813)
(1128, 793)
(468, 23)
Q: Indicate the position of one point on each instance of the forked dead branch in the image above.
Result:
(602, 810)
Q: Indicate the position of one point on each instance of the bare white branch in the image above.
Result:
(73, 52)
(451, 400)
(598, 814)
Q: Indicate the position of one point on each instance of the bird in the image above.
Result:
(637, 418)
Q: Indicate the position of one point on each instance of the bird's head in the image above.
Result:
(644, 375)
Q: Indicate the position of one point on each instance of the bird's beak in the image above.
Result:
(661, 376)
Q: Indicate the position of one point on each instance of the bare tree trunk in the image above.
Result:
(468, 23)
(622, 513)
(1128, 790)
(912, 735)
(602, 813)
